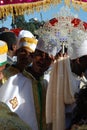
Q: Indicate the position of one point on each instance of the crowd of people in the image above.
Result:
(41, 88)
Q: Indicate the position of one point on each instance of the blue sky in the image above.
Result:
(46, 15)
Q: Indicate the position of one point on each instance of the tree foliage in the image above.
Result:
(31, 25)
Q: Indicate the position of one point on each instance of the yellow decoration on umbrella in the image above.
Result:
(77, 4)
(22, 8)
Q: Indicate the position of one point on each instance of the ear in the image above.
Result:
(77, 60)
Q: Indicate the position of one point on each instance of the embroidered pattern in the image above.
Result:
(14, 102)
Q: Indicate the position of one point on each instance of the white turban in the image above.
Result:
(27, 39)
(3, 52)
(78, 46)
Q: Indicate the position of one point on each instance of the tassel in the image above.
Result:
(21, 8)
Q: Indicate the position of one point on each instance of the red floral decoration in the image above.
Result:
(85, 25)
(53, 21)
(75, 22)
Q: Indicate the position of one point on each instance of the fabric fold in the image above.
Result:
(59, 93)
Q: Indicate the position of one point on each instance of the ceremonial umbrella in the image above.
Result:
(20, 7)
(62, 26)
(77, 4)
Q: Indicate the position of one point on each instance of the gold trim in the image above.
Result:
(77, 4)
(29, 40)
(67, 2)
(27, 8)
(14, 102)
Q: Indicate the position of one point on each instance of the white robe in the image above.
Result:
(61, 89)
(17, 93)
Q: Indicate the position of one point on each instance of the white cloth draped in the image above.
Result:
(18, 91)
(61, 89)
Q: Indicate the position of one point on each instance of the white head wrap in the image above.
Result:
(25, 33)
(27, 39)
(3, 52)
(78, 45)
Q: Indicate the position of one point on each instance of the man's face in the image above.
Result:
(1, 71)
(23, 57)
(41, 62)
(83, 62)
(79, 65)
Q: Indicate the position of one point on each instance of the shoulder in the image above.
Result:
(8, 72)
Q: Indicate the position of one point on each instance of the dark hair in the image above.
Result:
(2, 29)
(9, 37)
(76, 67)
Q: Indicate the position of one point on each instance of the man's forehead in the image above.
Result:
(39, 51)
(24, 49)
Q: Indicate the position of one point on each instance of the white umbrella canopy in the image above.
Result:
(60, 27)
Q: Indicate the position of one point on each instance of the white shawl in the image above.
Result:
(60, 91)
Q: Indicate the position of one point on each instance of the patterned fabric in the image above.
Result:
(10, 120)
(39, 100)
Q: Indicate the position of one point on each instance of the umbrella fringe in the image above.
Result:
(28, 8)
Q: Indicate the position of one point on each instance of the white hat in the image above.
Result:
(27, 39)
(3, 53)
(25, 33)
(78, 47)
(48, 43)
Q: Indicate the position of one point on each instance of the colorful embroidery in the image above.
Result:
(14, 102)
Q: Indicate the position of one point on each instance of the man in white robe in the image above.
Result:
(25, 92)
(8, 119)
(64, 84)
